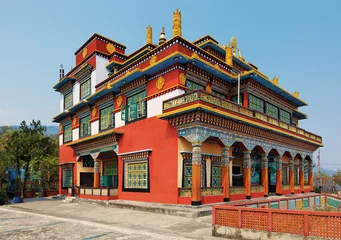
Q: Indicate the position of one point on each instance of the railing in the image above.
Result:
(102, 191)
(237, 190)
(200, 95)
(206, 191)
(280, 216)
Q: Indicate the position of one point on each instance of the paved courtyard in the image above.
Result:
(52, 219)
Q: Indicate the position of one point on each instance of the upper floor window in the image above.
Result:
(136, 107)
(272, 110)
(67, 100)
(284, 116)
(88, 161)
(191, 86)
(235, 98)
(84, 127)
(106, 120)
(67, 133)
(256, 103)
(85, 89)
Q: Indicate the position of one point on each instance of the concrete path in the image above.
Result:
(52, 219)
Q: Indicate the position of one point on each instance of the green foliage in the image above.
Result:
(337, 177)
(3, 198)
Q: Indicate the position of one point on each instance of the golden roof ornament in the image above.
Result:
(275, 80)
(149, 35)
(232, 47)
(228, 56)
(297, 94)
(162, 39)
(177, 23)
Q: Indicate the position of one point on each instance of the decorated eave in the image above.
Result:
(131, 57)
(300, 115)
(100, 37)
(63, 81)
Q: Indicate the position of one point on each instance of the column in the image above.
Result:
(196, 174)
(310, 175)
(247, 173)
(279, 175)
(301, 173)
(264, 174)
(225, 171)
(96, 170)
(291, 175)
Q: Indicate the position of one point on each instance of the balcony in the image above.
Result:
(208, 102)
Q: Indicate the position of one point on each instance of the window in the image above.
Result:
(85, 89)
(67, 100)
(235, 99)
(187, 173)
(111, 170)
(137, 175)
(272, 110)
(216, 176)
(284, 175)
(136, 107)
(256, 103)
(106, 118)
(284, 116)
(67, 178)
(84, 127)
(191, 86)
(67, 133)
(88, 161)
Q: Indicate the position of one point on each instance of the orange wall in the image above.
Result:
(161, 137)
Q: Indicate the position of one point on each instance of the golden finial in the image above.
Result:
(297, 94)
(228, 56)
(275, 80)
(162, 39)
(177, 23)
(149, 35)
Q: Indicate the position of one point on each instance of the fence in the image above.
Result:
(277, 218)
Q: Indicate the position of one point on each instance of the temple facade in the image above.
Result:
(178, 122)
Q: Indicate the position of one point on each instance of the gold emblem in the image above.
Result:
(94, 111)
(85, 51)
(119, 101)
(275, 80)
(234, 43)
(208, 88)
(160, 82)
(111, 48)
(153, 60)
(74, 122)
(194, 55)
(182, 78)
(297, 94)
(177, 23)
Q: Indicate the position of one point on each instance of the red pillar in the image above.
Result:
(196, 174)
(291, 175)
(246, 99)
(225, 174)
(279, 175)
(302, 175)
(247, 173)
(96, 174)
(264, 174)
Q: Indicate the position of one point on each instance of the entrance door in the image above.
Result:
(86, 179)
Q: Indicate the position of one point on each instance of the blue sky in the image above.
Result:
(297, 41)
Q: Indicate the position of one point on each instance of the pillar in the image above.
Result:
(247, 173)
(264, 174)
(196, 174)
(279, 175)
(246, 99)
(301, 174)
(225, 170)
(310, 175)
(291, 175)
(96, 169)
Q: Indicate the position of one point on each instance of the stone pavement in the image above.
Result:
(52, 219)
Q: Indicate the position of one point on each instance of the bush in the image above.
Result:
(317, 189)
(3, 198)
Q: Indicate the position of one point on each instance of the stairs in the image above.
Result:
(70, 199)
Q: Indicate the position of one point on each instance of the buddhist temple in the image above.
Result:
(178, 121)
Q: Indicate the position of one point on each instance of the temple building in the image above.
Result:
(178, 122)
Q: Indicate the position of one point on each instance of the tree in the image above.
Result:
(337, 177)
(27, 146)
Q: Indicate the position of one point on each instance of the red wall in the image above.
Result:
(161, 137)
(66, 155)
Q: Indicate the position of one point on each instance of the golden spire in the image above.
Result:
(149, 35)
(297, 94)
(162, 39)
(275, 80)
(228, 56)
(177, 23)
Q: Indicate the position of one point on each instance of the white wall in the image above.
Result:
(75, 93)
(93, 81)
(75, 134)
(94, 127)
(118, 121)
(101, 70)
(61, 138)
(154, 106)
(61, 103)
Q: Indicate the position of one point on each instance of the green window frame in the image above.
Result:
(216, 176)
(272, 110)
(284, 116)
(191, 86)
(67, 135)
(67, 178)
(136, 175)
(136, 107)
(84, 126)
(85, 89)
(284, 175)
(106, 119)
(88, 161)
(256, 103)
(296, 181)
(112, 170)
(68, 100)
(235, 99)
(187, 173)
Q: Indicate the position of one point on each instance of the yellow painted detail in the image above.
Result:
(85, 51)
(111, 48)
(160, 82)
